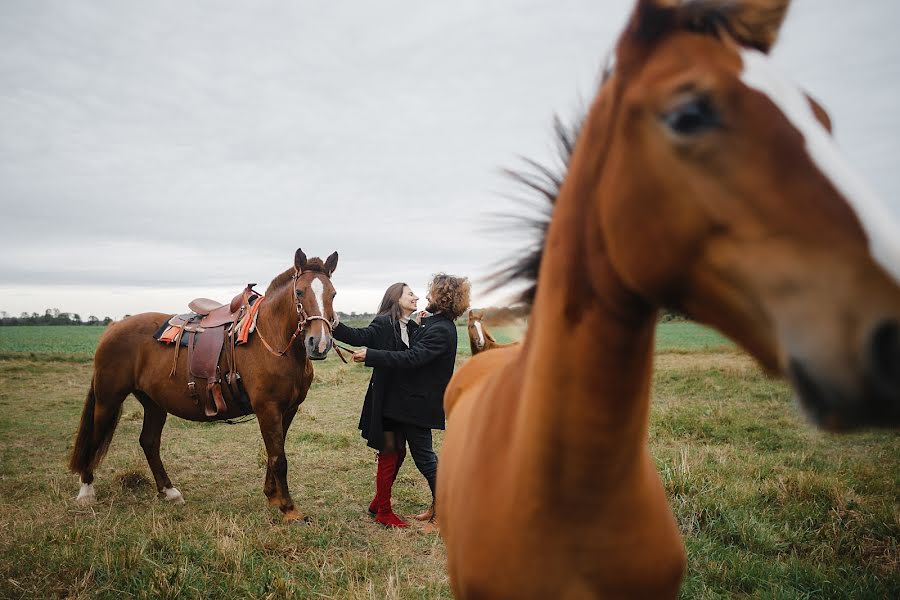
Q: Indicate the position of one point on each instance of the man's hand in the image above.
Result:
(359, 355)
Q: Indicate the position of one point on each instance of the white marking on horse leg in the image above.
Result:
(86, 494)
(173, 495)
(876, 217)
(480, 334)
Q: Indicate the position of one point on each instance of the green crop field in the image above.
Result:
(769, 507)
(47, 339)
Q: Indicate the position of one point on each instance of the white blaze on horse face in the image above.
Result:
(877, 219)
(480, 334)
(318, 289)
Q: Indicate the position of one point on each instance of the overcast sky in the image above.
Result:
(151, 152)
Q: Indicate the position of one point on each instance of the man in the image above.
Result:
(415, 404)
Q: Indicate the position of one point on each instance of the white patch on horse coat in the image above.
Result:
(480, 334)
(318, 289)
(86, 493)
(173, 495)
(875, 216)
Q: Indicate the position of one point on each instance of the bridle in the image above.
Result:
(303, 318)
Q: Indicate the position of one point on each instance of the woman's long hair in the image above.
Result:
(390, 304)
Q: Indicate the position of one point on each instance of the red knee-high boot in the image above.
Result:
(373, 505)
(384, 480)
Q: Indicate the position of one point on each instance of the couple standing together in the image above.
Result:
(412, 364)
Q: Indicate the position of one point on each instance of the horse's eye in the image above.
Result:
(299, 293)
(692, 117)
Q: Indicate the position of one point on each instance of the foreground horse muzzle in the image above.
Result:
(872, 399)
(317, 346)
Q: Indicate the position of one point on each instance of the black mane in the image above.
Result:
(546, 183)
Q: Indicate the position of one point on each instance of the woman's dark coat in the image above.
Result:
(421, 373)
(380, 334)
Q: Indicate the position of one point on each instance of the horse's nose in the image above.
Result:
(317, 346)
(884, 360)
(312, 347)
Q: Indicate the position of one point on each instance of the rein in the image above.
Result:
(302, 319)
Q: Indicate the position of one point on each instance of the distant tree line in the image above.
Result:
(51, 316)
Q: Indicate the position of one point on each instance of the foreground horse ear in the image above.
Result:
(752, 23)
(331, 263)
(299, 260)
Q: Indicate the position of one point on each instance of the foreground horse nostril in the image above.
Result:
(884, 348)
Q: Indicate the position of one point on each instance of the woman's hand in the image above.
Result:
(359, 356)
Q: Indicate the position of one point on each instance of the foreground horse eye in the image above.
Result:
(692, 117)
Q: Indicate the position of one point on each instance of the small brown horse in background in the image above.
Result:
(701, 180)
(480, 339)
(129, 360)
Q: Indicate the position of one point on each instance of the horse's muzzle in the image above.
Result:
(872, 401)
(314, 347)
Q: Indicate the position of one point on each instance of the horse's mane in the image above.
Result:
(714, 18)
(545, 182)
(313, 264)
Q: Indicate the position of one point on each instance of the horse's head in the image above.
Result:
(718, 191)
(476, 330)
(314, 295)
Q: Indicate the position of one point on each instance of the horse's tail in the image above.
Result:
(87, 452)
(82, 454)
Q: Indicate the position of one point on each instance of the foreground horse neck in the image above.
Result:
(586, 389)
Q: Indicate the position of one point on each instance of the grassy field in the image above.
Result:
(769, 507)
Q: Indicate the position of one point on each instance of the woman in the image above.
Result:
(392, 330)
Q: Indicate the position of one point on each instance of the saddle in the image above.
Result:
(208, 329)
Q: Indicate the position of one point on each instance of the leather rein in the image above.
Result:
(302, 319)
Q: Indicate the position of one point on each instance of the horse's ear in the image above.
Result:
(754, 23)
(299, 260)
(751, 23)
(331, 263)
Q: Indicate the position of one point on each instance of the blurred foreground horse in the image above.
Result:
(128, 360)
(705, 181)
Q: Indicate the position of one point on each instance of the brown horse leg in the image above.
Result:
(99, 418)
(151, 432)
(271, 426)
(269, 487)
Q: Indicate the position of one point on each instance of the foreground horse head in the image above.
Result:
(314, 295)
(749, 217)
(701, 180)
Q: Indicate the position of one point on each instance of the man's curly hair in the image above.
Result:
(449, 294)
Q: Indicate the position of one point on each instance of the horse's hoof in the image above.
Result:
(294, 517)
(85, 500)
(171, 495)
(86, 495)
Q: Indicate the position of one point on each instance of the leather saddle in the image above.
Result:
(206, 328)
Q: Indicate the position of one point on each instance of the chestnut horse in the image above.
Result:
(480, 339)
(129, 360)
(702, 180)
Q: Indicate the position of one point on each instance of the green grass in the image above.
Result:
(54, 340)
(769, 507)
